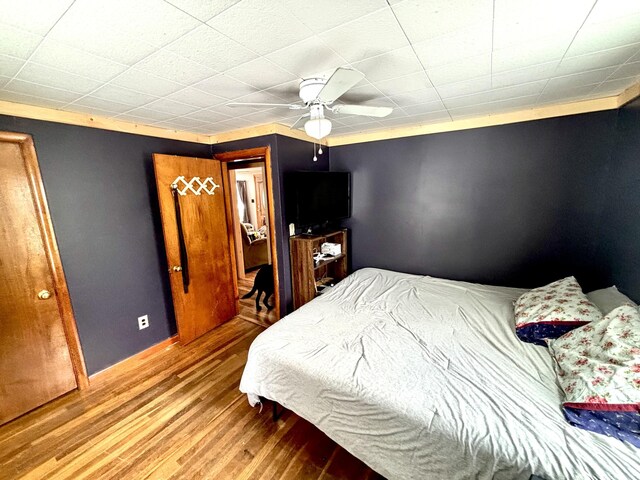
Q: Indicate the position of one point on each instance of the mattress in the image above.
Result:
(424, 378)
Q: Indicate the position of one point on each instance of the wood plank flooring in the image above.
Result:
(177, 414)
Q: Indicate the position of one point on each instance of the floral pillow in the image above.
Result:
(552, 311)
(598, 368)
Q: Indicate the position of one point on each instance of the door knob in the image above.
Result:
(44, 294)
(177, 268)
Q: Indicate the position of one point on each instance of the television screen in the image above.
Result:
(314, 198)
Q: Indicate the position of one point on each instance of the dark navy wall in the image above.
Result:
(287, 154)
(620, 245)
(101, 193)
(520, 204)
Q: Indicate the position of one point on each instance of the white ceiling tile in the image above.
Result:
(496, 95)
(16, 97)
(407, 84)
(123, 95)
(36, 16)
(288, 92)
(376, 33)
(261, 73)
(17, 43)
(593, 61)
(423, 20)
(144, 112)
(466, 87)
(203, 9)
(230, 123)
(524, 22)
(42, 91)
(533, 53)
(611, 10)
(579, 79)
(267, 115)
(210, 48)
(594, 37)
(421, 119)
(140, 81)
(276, 25)
(9, 66)
(73, 60)
(364, 92)
(260, 97)
(504, 106)
(99, 103)
(327, 14)
(389, 65)
(523, 75)
(197, 98)
(223, 86)
(416, 97)
(180, 123)
(455, 46)
(207, 115)
(309, 58)
(614, 87)
(152, 21)
(232, 112)
(175, 68)
(627, 70)
(424, 108)
(169, 106)
(52, 77)
(455, 72)
(566, 95)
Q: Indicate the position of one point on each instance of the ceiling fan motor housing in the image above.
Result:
(310, 88)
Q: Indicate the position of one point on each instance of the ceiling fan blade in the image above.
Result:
(362, 110)
(290, 106)
(298, 123)
(341, 81)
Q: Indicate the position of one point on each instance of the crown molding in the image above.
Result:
(260, 130)
(608, 103)
(629, 94)
(96, 121)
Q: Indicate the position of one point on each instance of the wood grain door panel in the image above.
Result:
(35, 364)
(210, 300)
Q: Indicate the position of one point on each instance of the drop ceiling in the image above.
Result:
(175, 64)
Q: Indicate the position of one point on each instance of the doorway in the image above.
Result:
(247, 174)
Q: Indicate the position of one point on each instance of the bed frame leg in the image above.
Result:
(276, 415)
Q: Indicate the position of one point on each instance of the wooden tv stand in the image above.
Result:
(306, 275)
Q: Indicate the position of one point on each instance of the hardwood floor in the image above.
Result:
(248, 306)
(177, 414)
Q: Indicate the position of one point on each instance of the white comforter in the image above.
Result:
(423, 378)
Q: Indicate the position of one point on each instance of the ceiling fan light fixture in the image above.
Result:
(318, 127)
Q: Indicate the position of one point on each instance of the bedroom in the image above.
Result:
(517, 188)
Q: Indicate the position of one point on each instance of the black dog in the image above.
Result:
(262, 283)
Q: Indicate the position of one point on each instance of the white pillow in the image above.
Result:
(608, 299)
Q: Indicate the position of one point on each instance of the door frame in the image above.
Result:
(262, 153)
(63, 299)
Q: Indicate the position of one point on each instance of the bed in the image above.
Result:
(424, 378)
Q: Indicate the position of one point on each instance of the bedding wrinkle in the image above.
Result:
(424, 378)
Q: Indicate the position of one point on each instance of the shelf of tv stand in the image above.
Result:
(326, 261)
(306, 274)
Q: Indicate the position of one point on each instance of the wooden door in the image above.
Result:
(35, 362)
(209, 298)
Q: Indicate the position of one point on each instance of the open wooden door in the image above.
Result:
(40, 356)
(197, 243)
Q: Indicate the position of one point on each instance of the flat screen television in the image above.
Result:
(317, 198)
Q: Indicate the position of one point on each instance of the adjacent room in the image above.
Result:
(368, 239)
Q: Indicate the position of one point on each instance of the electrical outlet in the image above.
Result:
(292, 229)
(143, 322)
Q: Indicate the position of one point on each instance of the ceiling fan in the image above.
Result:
(318, 95)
